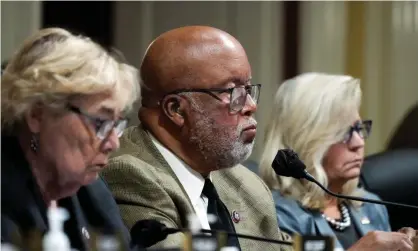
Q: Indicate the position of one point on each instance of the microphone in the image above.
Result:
(149, 232)
(287, 163)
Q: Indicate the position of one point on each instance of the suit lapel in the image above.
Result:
(152, 156)
(358, 217)
(323, 228)
(238, 209)
(232, 202)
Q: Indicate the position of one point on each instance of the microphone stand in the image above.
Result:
(311, 178)
(250, 237)
(149, 232)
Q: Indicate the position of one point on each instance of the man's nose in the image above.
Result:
(250, 106)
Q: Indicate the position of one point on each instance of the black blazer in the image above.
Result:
(91, 209)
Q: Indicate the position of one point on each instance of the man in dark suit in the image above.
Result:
(196, 128)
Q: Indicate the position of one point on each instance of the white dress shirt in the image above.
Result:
(191, 181)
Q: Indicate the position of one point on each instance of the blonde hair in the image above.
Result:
(310, 113)
(54, 65)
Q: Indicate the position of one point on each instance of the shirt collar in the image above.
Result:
(192, 181)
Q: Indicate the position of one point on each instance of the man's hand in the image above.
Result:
(383, 241)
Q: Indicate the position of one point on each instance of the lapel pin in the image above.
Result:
(85, 233)
(365, 221)
(235, 216)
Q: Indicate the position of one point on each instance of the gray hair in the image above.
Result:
(53, 65)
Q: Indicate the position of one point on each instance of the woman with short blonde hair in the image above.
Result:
(63, 102)
(54, 66)
(317, 115)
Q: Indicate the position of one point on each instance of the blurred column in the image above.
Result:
(374, 41)
(133, 28)
(403, 80)
(19, 19)
(355, 37)
(267, 66)
(376, 72)
(291, 39)
(390, 79)
(323, 37)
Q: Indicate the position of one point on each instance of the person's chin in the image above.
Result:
(352, 173)
(247, 148)
(90, 177)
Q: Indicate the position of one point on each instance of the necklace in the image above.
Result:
(341, 224)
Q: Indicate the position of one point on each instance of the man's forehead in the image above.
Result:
(225, 73)
(206, 59)
(217, 65)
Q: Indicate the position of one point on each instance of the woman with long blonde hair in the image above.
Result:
(317, 115)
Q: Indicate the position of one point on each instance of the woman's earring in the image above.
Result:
(34, 143)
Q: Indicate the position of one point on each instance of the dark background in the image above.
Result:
(95, 19)
(91, 18)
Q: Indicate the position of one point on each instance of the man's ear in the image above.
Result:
(33, 118)
(173, 107)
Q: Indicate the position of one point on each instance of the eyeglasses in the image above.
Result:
(363, 128)
(102, 127)
(238, 95)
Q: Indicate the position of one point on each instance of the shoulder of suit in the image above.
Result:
(136, 152)
(282, 201)
(244, 177)
(130, 178)
(96, 192)
(370, 195)
(243, 172)
(130, 166)
(130, 142)
(285, 203)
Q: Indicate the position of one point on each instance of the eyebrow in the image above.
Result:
(107, 110)
(236, 81)
(110, 112)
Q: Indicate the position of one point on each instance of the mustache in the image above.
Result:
(250, 122)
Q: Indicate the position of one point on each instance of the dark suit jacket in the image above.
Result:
(293, 218)
(145, 187)
(92, 209)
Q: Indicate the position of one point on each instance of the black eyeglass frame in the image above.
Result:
(100, 124)
(211, 91)
(364, 124)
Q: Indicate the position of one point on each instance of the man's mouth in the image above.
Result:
(249, 133)
(250, 128)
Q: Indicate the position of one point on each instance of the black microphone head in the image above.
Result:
(287, 163)
(148, 232)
